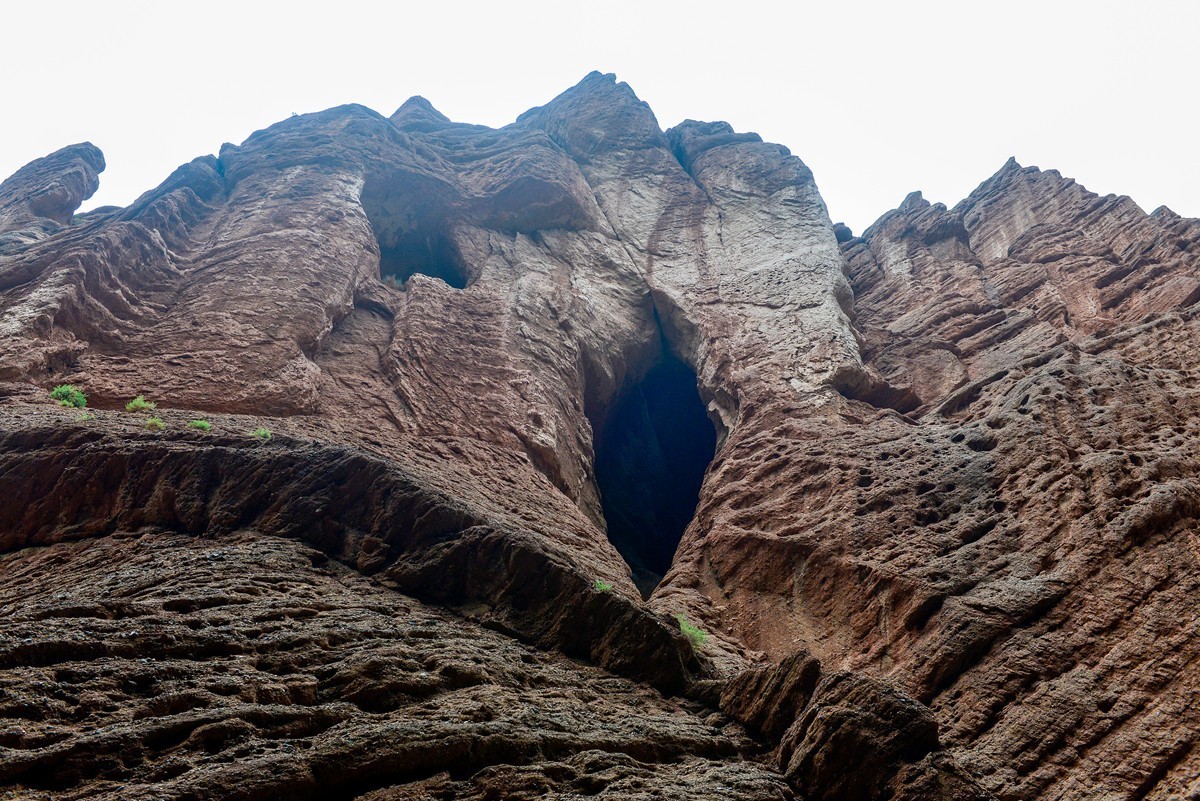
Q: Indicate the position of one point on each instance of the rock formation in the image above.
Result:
(924, 499)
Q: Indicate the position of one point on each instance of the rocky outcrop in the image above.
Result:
(1029, 261)
(245, 666)
(845, 735)
(361, 510)
(943, 548)
(43, 195)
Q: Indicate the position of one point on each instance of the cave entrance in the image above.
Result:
(412, 216)
(430, 253)
(651, 454)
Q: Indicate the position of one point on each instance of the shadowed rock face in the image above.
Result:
(929, 493)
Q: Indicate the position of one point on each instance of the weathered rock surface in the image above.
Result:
(43, 195)
(244, 666)
(1059, 633)
(944, 549)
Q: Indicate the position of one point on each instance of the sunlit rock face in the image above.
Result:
(924, 498)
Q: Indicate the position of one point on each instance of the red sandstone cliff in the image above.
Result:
(944, 547)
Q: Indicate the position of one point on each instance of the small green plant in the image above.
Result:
(202, 425)
(67, 395)
(694, 633)
(155, 424)
(261, 433)
(140, 404)
(85, 417)
(601, 586)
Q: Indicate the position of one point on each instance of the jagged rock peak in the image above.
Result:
(691, 138)
(939, 524)
(597, 115)
(913, 201)
(417, 113)
(50, 188)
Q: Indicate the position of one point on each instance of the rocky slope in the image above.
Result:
(942, 474)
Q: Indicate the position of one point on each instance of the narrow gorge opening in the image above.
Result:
(651, 454)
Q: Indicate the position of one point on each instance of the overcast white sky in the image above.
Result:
(879, 99)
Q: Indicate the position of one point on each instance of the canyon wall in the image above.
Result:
(943, 474)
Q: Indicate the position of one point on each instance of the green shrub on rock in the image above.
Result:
(68, 395)
(139, 404)
(694, 633)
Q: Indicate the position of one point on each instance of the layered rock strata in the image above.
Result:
(943, 549)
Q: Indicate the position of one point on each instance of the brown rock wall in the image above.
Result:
(945, 548)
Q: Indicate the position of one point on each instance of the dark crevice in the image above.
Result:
(652, 450)
(429, 252)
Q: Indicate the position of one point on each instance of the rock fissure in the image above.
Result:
(651, 451)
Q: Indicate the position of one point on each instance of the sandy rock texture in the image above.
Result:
(944, 548)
